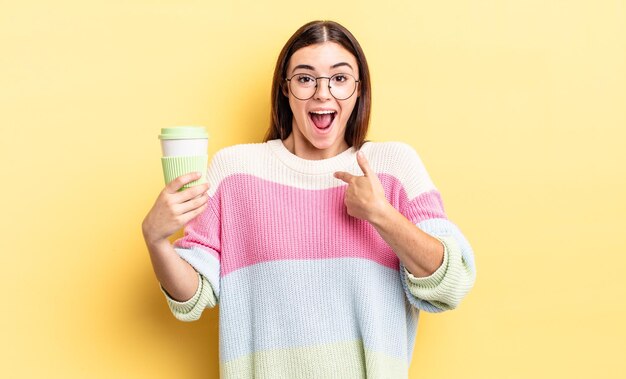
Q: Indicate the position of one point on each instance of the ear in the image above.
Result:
(284, 89)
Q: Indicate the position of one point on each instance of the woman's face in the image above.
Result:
(319, 123)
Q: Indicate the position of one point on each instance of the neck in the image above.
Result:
(305, 150)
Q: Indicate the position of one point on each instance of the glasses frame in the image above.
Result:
(330, 89)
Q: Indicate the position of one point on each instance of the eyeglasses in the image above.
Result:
(304, 86)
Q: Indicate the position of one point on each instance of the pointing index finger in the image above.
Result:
(343, 176)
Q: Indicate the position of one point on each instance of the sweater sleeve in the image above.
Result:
(445, 288)
(201, 247)
(448, 285)
(191, 309)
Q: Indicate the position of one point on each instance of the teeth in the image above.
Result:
(323, 112)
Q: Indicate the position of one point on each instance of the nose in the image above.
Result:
(322, 90)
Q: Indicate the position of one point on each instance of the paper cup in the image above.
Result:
(184, 150)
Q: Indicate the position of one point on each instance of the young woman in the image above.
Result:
(320, 248)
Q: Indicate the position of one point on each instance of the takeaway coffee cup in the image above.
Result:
(184, 150)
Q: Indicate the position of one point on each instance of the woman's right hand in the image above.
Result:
(173, 209)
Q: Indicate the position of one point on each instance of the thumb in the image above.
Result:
(364, 164)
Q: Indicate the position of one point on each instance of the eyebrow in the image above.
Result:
(311, 68)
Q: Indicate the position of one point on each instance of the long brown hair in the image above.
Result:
(310, 34)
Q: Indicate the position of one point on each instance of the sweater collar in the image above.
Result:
(313, 167)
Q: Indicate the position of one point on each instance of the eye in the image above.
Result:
(340, 78)
(305, 79)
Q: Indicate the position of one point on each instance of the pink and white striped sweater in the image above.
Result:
(304, 289)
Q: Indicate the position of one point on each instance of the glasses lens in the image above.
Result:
(342, 86)
(302, 86)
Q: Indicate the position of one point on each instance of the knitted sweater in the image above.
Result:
(304, 289)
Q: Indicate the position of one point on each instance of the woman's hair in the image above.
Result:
(310, 34)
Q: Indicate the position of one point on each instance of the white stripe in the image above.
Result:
(271, 161)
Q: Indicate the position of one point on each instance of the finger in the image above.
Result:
(363, 163)
(177, 200)
(194, 203)
(178, 183)
(193, 213)
(191, 192)
(344, 176)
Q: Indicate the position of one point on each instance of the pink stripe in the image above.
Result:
(294, 223)
(425, 206)
(204, 231)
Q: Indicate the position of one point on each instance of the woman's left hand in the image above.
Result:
(365, 197)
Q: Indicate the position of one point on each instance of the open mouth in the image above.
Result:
(322, 119)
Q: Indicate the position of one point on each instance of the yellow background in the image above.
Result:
(518, 109)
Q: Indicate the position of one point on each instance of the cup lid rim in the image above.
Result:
(184, 132)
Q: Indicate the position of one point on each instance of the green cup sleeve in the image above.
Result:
(174, 167)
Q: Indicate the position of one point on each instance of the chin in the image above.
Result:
(323, 143)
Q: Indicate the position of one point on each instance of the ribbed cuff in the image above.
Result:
(434, 279)
(192, 309)
(184, 307)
